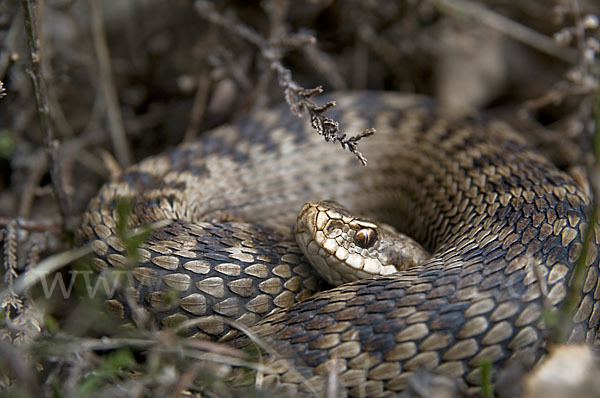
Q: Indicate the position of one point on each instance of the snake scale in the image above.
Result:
(504, 225)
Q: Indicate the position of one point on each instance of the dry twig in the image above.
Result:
(508, 27)
(297, 97)
(38, 165)
(41, 98)
(10, 252)
(11, 299)
(581, 79)
(198, 107)
(107, 86)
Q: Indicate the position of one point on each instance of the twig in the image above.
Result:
(12, 36)
(10, 253)
(556, 95)
(296, 96)
(198, 107)
(508, 27)
(298, 99)
(110, 163)
(11, 299)
(38, 165)
(360, 61)
(107, 86)
(41, 98)
(29, 225)
(581, 80)
(276, 10)
(325, 65)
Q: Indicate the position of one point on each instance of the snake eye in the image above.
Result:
(365, 237)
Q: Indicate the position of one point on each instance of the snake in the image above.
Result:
(499, 231)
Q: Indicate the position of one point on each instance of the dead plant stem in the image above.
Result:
(41, 98)
(107, 86)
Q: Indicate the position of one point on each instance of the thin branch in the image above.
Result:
(10, 267)
(10, 252)
(508, 27)
(41, 98)
(581, 80)
(299, 100)
(38, 165)
(198, 107)
(29, 225)
(324, 64)
(297, 97)
(107, 86)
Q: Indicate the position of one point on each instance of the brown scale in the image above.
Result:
(503, 224)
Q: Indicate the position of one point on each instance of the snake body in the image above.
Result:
(504, 226)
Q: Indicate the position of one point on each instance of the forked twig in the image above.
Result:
(296, 96)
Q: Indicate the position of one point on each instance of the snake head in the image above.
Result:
(345, 247)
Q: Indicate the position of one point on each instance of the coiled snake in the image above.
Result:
(504, 227)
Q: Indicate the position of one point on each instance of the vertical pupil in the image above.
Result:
(365, 237)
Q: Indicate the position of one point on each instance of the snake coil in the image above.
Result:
(504, 225)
